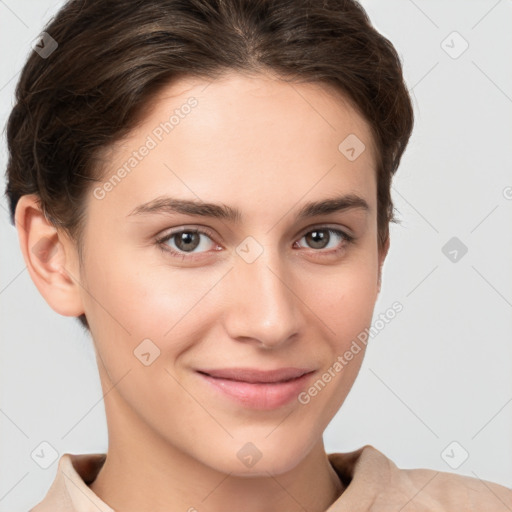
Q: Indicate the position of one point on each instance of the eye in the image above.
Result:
(319, 238)
(185, 241)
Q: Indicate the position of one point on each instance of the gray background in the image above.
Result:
(439, 372)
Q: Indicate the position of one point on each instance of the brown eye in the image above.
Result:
(184, 242)
(319, 238)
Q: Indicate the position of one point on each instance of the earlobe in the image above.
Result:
(50, 257)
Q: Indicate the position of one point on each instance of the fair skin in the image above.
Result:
(266, 148)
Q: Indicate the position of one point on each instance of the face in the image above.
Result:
(171, 291)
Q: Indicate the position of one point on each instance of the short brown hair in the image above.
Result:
(114, 56)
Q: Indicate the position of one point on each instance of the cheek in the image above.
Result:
(132, 312)
(129, 302)
(342, 299)
(136, 294)
(343, 310)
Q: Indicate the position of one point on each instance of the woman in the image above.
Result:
(264, 134)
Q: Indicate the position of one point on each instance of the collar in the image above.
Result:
(372, 482)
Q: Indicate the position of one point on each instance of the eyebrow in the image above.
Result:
(170, 205)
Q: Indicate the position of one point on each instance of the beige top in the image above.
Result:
(373, 483)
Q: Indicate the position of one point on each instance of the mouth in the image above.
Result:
(256, 389)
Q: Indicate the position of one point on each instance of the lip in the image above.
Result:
(258, 389)
(256, 376)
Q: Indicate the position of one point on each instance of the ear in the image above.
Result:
(50, 256)
(382, 256)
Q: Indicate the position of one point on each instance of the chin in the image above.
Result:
(256, 459)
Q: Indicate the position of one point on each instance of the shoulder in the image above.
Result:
(374, 481)
(428, 489)
(455, 492)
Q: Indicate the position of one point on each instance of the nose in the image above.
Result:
(263, 308)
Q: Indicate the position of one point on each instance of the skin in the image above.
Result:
(265, 147)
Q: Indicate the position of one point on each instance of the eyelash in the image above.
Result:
(161, 241)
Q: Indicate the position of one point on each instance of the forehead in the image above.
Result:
(237, 103)
(253, 134)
